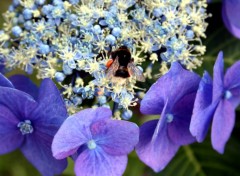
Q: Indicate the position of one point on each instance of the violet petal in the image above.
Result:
(4, 82)
(116, 137)
(154, 147)
(18, 102)
(98, 163)
(10, 136)
(173, 85)
(24, 84)
(75, 131)
(178, 129)
(218, 74)
(203, 110)
(37, 149)
(222, 126)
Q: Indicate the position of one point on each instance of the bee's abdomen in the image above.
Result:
(122, 72)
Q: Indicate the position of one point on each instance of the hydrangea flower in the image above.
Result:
(71, 41)
(216, 102)
(173, 97)
(101, 143)
(28, 121)
(231, 16)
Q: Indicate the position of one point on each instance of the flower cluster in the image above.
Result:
(29, 119)
(71, 42)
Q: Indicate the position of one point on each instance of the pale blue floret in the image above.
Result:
(16, 31)
(127, 114)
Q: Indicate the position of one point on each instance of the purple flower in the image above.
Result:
(29, 122)
(231, 16)
(172, 96)
(216, 101)
(102, 143)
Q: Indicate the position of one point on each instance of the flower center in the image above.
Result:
(227, 94)
(91, 144)
(25, 127)
(169, 118)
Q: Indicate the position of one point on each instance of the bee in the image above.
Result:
(121, 65)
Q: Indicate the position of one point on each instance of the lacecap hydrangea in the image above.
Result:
(71, 42)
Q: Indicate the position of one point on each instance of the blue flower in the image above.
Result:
(102, 143)
(29, 118)
(231, 15)
(173, 97)
(216, 101)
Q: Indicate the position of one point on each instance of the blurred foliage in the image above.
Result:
(193, 160)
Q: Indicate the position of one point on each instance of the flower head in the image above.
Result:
(172, 96)
(216, 101)
(102, 144)
(74, 42)
(29, 118)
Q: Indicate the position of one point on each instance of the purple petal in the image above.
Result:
(98, 163)
(231, 79)
(37, 149)
(18, 102)
(116, 137)
(51, 110)
(10, 136)
(24, 84)
(154, 147)
(231, 15)
(172, 86)
(222, 126)
(218, 86)
(202, 111)
(4, 82)
(75, 131)
(178, 129)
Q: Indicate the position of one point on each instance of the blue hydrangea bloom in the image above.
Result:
(231, 16)
(173, 97)
(102, 144)
(216, 102)
(29, 121)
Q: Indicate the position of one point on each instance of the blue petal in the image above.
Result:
(10, 136)
(218, 73)
(232, 83)
(51, 108)
(37, 149)
(4, 82)
(175, 84)
(222, 126)
(154, 147)
(18, 102)
(24, 84)
(98, 163)
(203, 110)
(178, 129)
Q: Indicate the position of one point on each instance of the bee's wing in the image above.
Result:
(135, 72)
(112, 69)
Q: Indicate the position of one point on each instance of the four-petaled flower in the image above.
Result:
(29, 121)
(216, 101)
(102, 144)
(172, 96)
